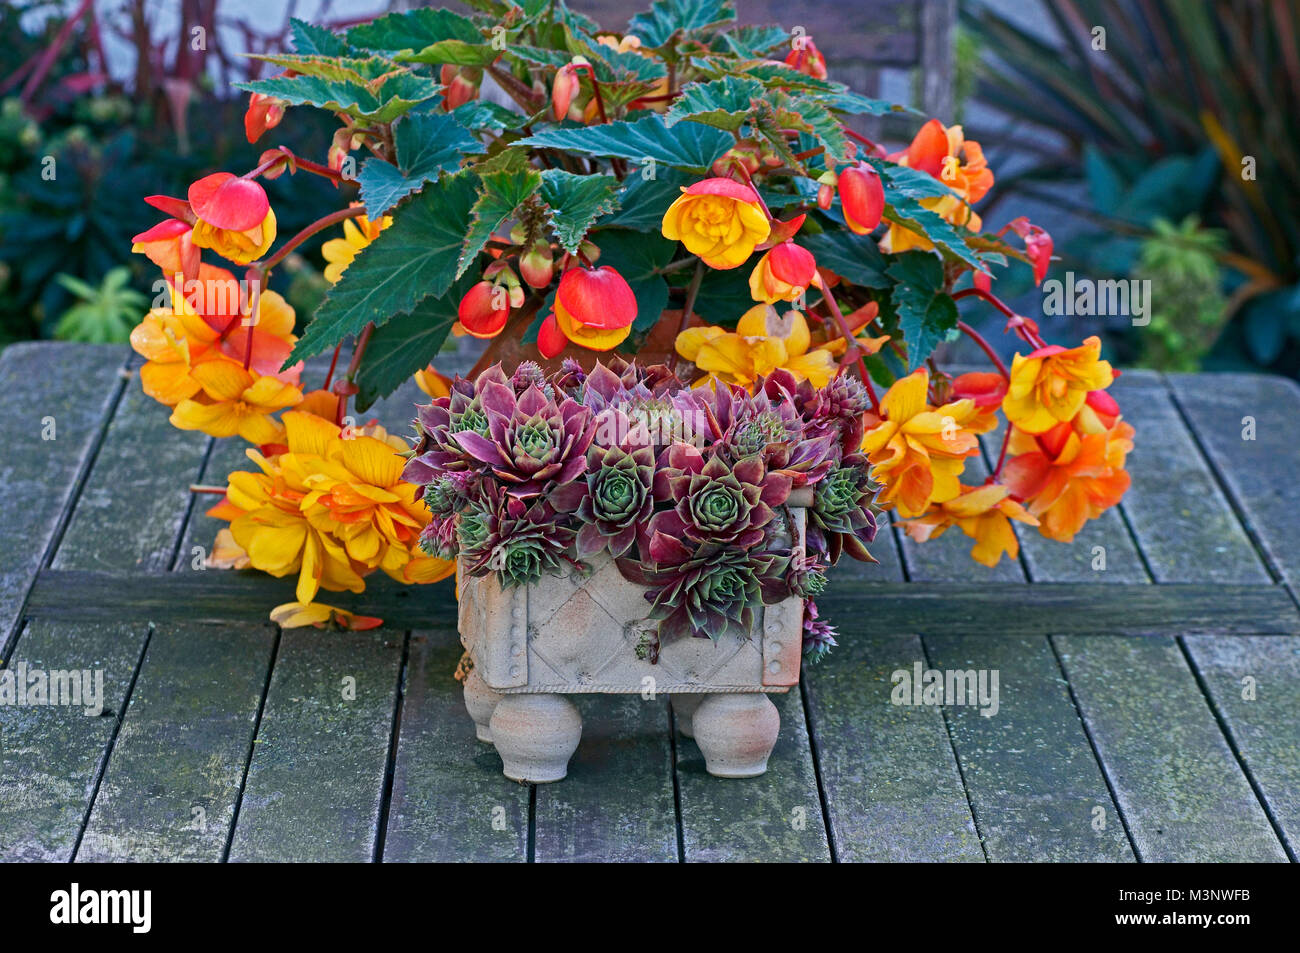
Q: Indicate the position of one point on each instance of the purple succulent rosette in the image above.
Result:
(687, 489)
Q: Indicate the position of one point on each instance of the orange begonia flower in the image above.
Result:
(1050, 385)
(957, 162)
(595, 307)
(917, 451)
(1067, 476)
(784, 273)
(718, 219)
(238, 402)
(234, 217)
(984, 514)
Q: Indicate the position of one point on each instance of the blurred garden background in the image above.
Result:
(1156, 140)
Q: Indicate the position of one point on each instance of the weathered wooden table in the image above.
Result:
(1148, 710)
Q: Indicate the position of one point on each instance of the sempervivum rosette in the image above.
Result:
(521, 540)
(840, 519)
(612, 500)
(716, 501)
(532, 442)
(704, 591)
(436, 424)
(768, 422)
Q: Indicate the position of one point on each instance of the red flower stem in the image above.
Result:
(334, 362)
(595, 88)
(692, 290)
(851, 351)
(201, 488)
(861, 138)
(978, 338)
(1002, 456)
(1024, 332)
(333, 218)
(353, 366)
(810, 153)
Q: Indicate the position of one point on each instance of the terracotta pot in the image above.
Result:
(579, 633)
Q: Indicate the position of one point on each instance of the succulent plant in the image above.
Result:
(841, 518)
(436, 449)
(520, 540)
(717, 502)
(686, 488)
(613, 500)
(438, 538)
(702, 591)
(533, 443)
(818, 634)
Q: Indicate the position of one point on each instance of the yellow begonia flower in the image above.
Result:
(982, 513)
(357, 234)
(1050, 385)
(238, 402)
(945, 153)
(917, 451)
(718, 219)
(762, 342)
(239, 246)
(294, 615)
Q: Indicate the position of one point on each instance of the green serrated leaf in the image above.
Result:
(407, 343)
(363, 71)
(413, 258)
(801, 111)
(502, 193)
(638, 256)
(692, 147)
(414, 30)
(395, 96)
(667, 17)
(311, 39)
(755, 42)
(723, 103)
(644, 201)
(856, 258)
(427, 146)
(926, 312)
(481, 115)
(576, 202)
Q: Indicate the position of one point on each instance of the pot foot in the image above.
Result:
(480, 702)
(684, 705)
(736, 733)
(535, 736)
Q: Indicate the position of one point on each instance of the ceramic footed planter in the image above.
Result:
(580, 632)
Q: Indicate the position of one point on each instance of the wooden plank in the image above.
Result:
(59, 391)
(172, 784)
(450, 801)
(1025, 808)
(1179, 785)
(51, 757)
(315, 785)
(893, 792)
(892, 788)
(776, 817)
(1260, 471)
(897, 608)
(133, 506)
(1183, 523)
(1031, 773)
(617, 803)
(1254, 682)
